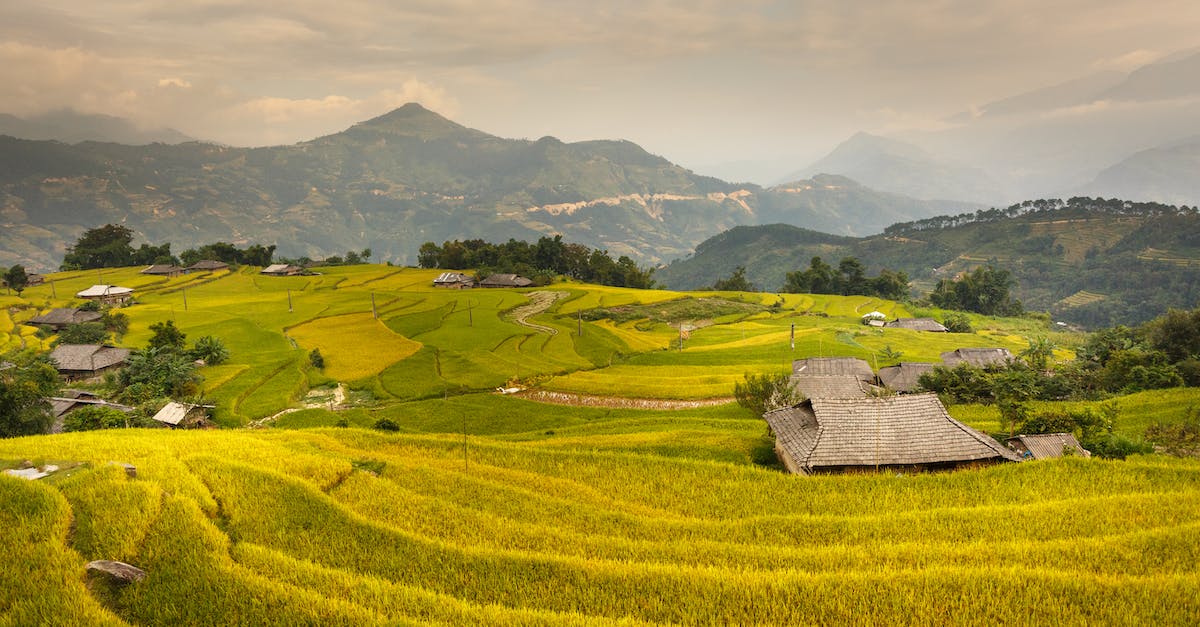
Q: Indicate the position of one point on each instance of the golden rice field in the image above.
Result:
(496, 510)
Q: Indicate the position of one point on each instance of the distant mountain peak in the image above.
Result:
(414, 120)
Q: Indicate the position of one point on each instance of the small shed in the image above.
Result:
(82, 361)
(63, 317)
(177, 414)
(34, 279)
(904, 377)
(831, 386)
(167, 270)
(282, 269)
(833, 366)
(107, 294)
(505, 280)
(911, 432)
(977, 357)
(207, 265)
(454, 281)
(1046, 446)
(918, 324)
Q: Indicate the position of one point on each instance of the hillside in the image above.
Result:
(72, 127)
(642, 496)
(391, 184)
(1094, 262)
(1164, 174)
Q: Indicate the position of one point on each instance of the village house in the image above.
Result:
(918, 324)
(282, 269)
(505, 280)
(84, 361)
(896, 433)
(34, 279)
(1046, 446)
(454, 281)
(61, 318)
(167, 270)
(207, 265)
(833, 366)
(175, 414)
(977, 357)
(831, 386)
(904, 377)
(107, 294)
(76, 399)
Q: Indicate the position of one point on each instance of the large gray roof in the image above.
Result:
(904, 377)
(64, 316)
(506, 280)
(918, 324)
(830, 386)
(978, 357)
(87, 357)
(1047, 445)
(910, 430)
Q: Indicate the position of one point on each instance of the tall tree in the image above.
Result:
(16, 278)
(107, 246)
(26, 381)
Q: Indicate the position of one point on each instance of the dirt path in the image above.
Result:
(615, 402)
(338, 402)
(538, 302)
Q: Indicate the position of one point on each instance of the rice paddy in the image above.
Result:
(493, 509)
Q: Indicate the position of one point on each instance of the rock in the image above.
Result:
(119, 572)
(130, 469)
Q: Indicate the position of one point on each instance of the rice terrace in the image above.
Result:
(467, 457)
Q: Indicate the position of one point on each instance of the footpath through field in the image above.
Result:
(539, 301)
(616, 402)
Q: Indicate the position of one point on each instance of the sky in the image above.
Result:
(705, 84)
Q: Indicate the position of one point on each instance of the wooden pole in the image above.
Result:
(53, 292)
(185, 299)
(374, 312)
(289, 301)
(579, 330)
(470, 315)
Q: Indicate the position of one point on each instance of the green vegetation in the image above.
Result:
(26, 380)
(541, 261)
(849, 278)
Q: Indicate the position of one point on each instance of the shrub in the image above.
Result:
(315, 358)
(94, 418)
(761, 393)
(957, 323)
(386, 424)
(211, 350)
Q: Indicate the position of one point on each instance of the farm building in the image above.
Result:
(977, 357)
(454, 281)
(34, 279)
(167, 270)
(505, 280)
(182, 414)
(282, 269)
(831, 386)
(82, 361)
(1046, 446)
(904, 377)
(918, 324)
(107, 294)
(207, 265)
(909, 432)
(61, 318)
(833, 366)
(76, 399)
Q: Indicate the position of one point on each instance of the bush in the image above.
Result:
(761, 393)
(386, 424)
(957, 323)
(316, 359)
(94, 418)
(211, 350)
(1179, 439)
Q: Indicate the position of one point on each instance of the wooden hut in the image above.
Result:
(977, 357)
(1046, 446)
(175, 414)
(207, 265)
(82, 361)
(63, 317)
(505, 280)
(831, 386)
(904, 377)
(833, 366)
(107, 294)
(910, 432)
(918, 324)
(454, 281)
(163, 269)
(282, 269)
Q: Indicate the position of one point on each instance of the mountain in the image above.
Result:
(900, 167)
(1090, 261)
(1165, 80)
(392, 183)
(1166, 174)
(73, 127)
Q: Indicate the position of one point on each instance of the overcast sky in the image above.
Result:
(698, 82)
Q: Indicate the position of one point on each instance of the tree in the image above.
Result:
(984, 290)
(366, 255)
(210, 349)
(157, 372)
(16, 278)
(82, 333)
(167, 335)
(429, 256)
(95, 417)
(957, 323)
(316, 359)
(26, 381)
(1039, 353)
(761, 393)
(735, 283)
(103, 247)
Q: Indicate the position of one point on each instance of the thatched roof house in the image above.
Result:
(833, 366)
(505, 280)
(76, 361)
(454, 281)
(107, 294)
(831, 386)
(977, 357)
(910, 432)
(918, 324)
(61, 318)
(160, 269)
(282, 269)
(1046, 445)
(182, 414)
(904, 377)
(207, 265)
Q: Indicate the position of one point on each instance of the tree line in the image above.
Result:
(540, 261)
(1095, 206)
(111, 246)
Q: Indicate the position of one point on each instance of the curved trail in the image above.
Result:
(538, 302)
(616, 402)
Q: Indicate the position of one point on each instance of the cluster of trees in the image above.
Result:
(1082, 204)
(15, 278)
(540, 261)
(984, 290)
(111, 246)
(166, 368)
(850, 277)
(27, 379)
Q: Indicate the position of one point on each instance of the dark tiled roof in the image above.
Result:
(162, 269)
(977, 357)
(87, 357)
(829, 386)
(452, 277)
(910, 430)
(1046, 445)
(506, 280)
(918, 324)
(65, 316)
(904, 378)
(208, 264)
(825, 366)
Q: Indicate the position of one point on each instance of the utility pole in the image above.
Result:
(185, 299)
(374, 312)
(470, 315)
(53, 292)
(289, 300)
(579, 330)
